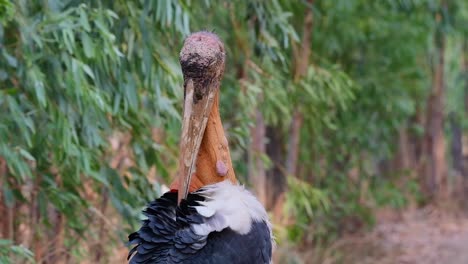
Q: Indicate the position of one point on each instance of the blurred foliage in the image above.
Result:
(305, 204)
(77, 75)
(6, 11)
(9, 252)
(383, 47)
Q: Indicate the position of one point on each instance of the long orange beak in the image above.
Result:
(193, 127)
(202, 60)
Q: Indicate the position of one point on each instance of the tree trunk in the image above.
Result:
(435, 165)
(456, 144)
(403, 159)
(465, 73)
(301, 58)
(57, 238)
(3, 206)
(59, 245)
(256, 165)
(294, 139)
(99, 249)
(37, 233)
(275, 177)
(465, 158)
(7, 211)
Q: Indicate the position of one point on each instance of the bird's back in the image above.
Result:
(198, 231)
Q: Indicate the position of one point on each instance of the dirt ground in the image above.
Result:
(419, 236)
(423, 236)
(426, 236)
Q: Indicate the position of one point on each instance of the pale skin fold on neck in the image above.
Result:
(214, 158)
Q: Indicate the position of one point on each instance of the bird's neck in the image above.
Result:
(214, 159)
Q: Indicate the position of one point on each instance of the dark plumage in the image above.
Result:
(167, 236)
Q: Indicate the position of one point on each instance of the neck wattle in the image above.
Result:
(214, 159)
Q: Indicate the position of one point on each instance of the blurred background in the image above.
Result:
(347, 118)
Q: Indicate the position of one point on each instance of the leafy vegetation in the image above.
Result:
(342, 93)
(9, 252)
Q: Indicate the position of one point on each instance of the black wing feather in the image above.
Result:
(166, 237)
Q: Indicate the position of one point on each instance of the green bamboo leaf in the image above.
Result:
(8, 196)
(87, 70)
(12, 61)
(40, 93)
(88, 45)
(84, 21)
(26, 154)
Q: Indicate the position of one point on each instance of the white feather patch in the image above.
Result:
(205, 211)
(229, 205)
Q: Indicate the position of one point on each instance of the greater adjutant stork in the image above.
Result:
(207, 217)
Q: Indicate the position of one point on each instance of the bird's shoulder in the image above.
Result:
(218, 223)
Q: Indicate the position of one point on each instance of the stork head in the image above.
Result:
(204, 153)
